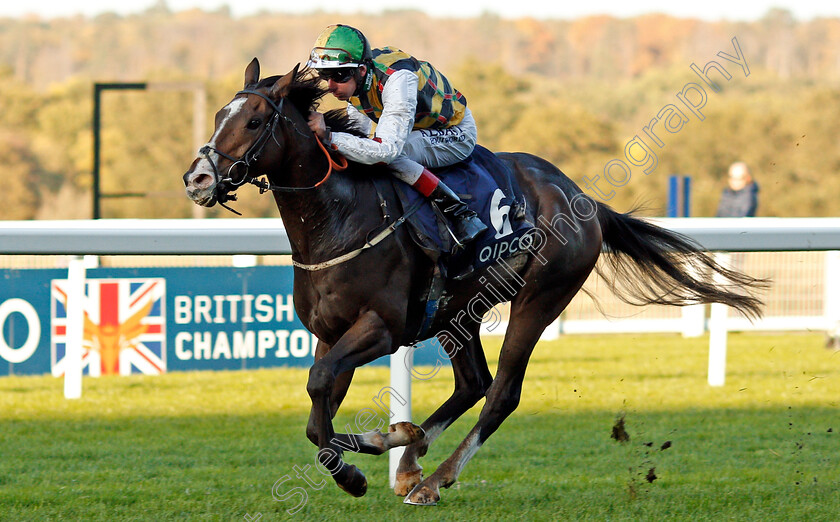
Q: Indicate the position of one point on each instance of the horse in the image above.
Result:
(363, 298)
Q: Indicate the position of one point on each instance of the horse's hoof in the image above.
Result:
(352, 480)
(403, 434)
(406, 481)
(423, 495)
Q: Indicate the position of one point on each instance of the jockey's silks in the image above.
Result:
(439, 104)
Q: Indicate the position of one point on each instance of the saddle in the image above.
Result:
(489, 188)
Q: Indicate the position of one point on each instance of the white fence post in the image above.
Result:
(694, 320)
(694, 316)
(75, 328)
(717, 334)
(401, 384)
(831, 303)
(552, 331)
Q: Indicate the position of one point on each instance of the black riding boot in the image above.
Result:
(465, 223)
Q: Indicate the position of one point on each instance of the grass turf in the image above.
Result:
(210, 446)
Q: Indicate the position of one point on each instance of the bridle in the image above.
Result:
(224, 185)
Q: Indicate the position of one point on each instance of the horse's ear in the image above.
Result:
(281, 86)
(252, 73)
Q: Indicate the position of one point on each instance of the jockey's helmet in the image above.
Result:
(339, 46)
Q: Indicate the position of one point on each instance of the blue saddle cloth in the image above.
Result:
(489, 188)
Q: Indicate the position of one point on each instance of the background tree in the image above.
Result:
(574, 91)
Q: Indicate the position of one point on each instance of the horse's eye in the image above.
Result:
(254, 123)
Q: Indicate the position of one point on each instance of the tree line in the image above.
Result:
(573, 91)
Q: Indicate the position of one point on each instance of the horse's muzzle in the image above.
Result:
(201, 188)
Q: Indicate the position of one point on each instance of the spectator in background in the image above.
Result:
(740, 198)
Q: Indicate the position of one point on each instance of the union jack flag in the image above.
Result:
(125, 326)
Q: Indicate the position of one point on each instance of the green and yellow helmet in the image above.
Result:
(339, 46)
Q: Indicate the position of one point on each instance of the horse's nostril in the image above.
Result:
(200, 181)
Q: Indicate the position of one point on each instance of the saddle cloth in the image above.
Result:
(489, 188)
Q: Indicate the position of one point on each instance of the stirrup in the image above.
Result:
(467, 227)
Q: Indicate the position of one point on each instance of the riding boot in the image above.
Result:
(465, 223)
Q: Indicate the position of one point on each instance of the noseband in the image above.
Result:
(225, 184)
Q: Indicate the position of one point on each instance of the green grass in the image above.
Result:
(209, 446)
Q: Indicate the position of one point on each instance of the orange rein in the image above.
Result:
(333, 165)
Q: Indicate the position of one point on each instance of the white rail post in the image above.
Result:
(694, 316)
(717, 333)
(831, 303)
(694, 320)
(75, 328)
(401, 384)
(552, 331)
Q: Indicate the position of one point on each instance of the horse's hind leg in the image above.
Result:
(531, 312)
(372, 443)
(472, 378)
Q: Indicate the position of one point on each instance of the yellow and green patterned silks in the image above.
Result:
(439, 104)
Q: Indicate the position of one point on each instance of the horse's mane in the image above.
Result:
(305, 94)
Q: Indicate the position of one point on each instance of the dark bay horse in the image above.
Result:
(364, 303)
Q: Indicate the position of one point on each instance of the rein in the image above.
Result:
(253, 154)
(264, 185)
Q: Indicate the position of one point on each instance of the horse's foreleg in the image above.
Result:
(472, 378)
(367, 340)
(339, 391)
(372, 442)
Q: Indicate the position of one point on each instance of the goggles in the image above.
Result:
(332, 57)
(340, 75)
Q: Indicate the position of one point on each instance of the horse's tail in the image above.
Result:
(657, 266)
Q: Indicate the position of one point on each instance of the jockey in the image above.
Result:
(421, 120)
